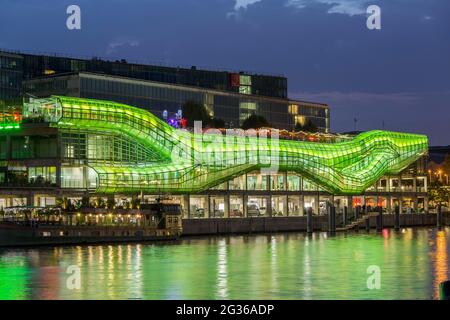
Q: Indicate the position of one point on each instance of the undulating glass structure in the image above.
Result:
(124, 149)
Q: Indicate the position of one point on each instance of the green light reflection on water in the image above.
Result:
(279, 266)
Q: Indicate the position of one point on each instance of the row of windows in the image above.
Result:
(35, 66)
(10, 63)
(10, 79)
(157, 99)
(51, 85)
(104, 148)
(29, 147)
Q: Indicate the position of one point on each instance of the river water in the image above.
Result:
(408, 264)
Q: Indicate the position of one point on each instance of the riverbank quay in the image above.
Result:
(195, 227)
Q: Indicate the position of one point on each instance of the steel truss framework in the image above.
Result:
(131, 150)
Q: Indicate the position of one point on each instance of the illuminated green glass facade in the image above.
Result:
(127, 149)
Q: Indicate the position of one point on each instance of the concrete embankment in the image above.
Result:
(193, 227)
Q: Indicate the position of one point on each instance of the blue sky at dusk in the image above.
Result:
(399, 75)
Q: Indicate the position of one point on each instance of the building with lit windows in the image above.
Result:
(157, 97)
(230, 96)
(11, 75)
(94, 151)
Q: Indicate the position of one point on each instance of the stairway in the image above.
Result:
(356, 223)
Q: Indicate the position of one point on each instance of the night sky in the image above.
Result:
(396, 78)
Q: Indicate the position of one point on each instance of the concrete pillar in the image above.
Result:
(397, 218)
(302, 205)
(226, 208)
(416, 203)
(285, 206)
(187, 206)
(244, 207)
(349, 204)
(316, 204)
(345, 216)
(309, 220)
(269, 206)
(58, 174)
(388, 204)
(208, 206)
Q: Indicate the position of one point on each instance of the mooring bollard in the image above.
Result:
(344, 216)
(309, 220)
(397, 218)
(439, 216)
(380, 219)
(444, 290)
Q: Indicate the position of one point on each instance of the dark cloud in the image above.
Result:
(399, 74)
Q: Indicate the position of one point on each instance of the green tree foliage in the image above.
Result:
(446, 164)
(194, 111)
(438, 193)
(307, 127)
(216, 123)
(255, 122)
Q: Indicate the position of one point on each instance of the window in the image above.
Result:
(72, 177)
(293, 109)
(300, 120)
(245, 84)
(42, 175)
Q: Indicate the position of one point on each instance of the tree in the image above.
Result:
(110, 203)
(216, 123)
(255, 122)
(194, 111)
(446, 164)
(307, 127)
(438, 193)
